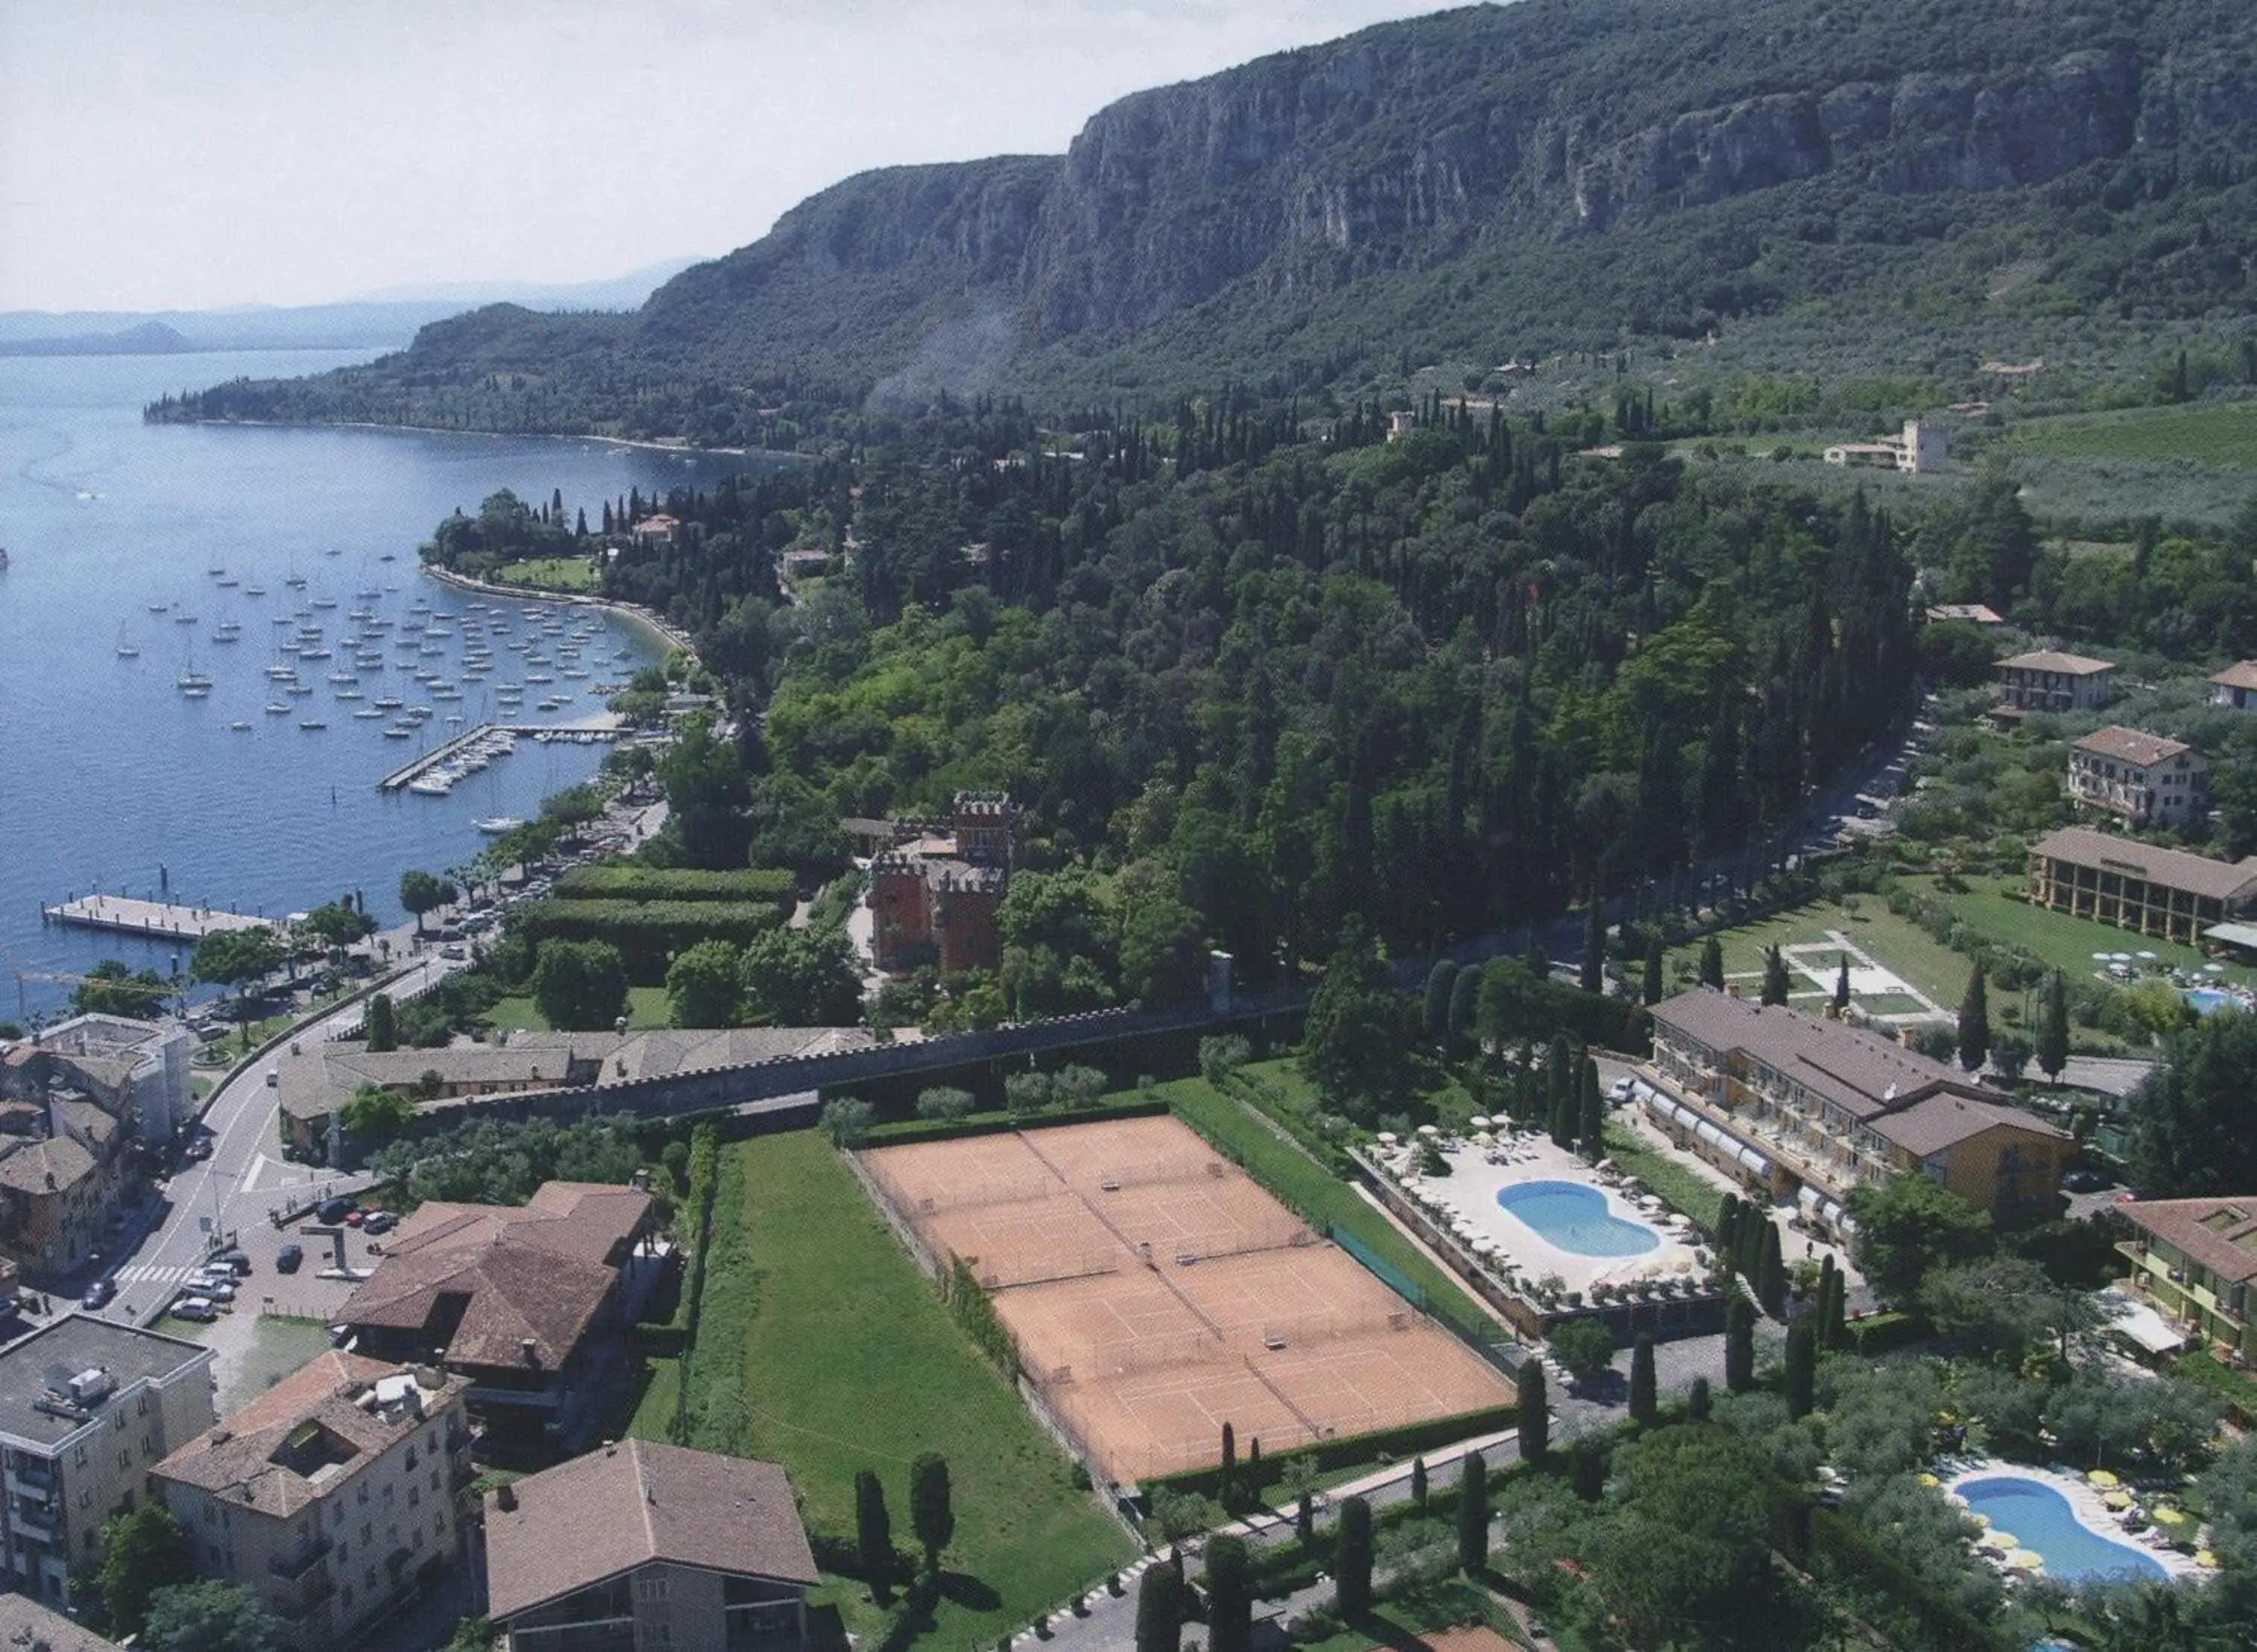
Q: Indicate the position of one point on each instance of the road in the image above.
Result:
(245, 1175)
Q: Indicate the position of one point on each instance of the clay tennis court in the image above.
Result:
(1157, 1293)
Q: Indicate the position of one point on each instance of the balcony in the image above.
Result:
(36, 1524)
(292, 1567)
(300, 1604)
(35, 1485)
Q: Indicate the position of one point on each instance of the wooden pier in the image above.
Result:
(123, 915)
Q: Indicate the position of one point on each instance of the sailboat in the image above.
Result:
(126, 650)
(192, 683)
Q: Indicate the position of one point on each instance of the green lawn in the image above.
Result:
(550, 573)
(646, 1007)
(2064, 942)
(1318, 1195)
(824, 1348)
(1895, 944)
(1685, 1191)
(2207, 432)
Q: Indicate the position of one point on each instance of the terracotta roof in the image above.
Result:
(504, 1274)
(2220, 1234)
(26, 1626)
(44, 1167)
(2242, 673)
(309, 1435)
(1861, 1072)
(630, 1504)
(1942, 1121)
(2132, 745)
(2172, 868)
(2049, 660)
(1978, 612)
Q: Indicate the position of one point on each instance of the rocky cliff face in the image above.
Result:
(1500, 129)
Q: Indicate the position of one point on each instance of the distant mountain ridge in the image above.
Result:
(1551, 172)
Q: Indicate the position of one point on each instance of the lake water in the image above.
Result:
(111, 778)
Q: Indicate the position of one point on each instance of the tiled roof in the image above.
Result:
(2132, 745)
(2049, 660)
(2242, 673)
(1942, 1121)
(1861, 1072)
(44, 1166)
(26, 1626)
(2220, 1234)
(629, 1505)
(247, 1454)
(537, 1272)
(2171, 868)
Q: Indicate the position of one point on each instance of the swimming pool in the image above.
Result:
(2206, 1001)
(1574, 1219)
(2041, 1521)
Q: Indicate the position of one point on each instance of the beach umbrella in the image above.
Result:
(1429, 1131)
(2100, 958)
(2027, 1560)
(2171, 1516)
(2215, 969)
(2146, 954)
(1479, 1121)
(1926, 1478)
(2204, 1558)
(2001, 1541)
(2103, 1478)
(2117, 1500)
(1388, 1138)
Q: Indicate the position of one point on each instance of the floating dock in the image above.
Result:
(124, 915)
(605, 727)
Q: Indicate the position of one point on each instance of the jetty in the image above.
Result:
(604, 727)
(123, 915)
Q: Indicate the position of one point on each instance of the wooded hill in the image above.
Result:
(1462, 187)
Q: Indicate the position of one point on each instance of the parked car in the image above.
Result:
(332, 1211)
(219, 1290)
(451, 950)
(99, 1293)
(198, 1147)
(378, 1222)
(287, 1259)
(2086, 1181)
(196, 1308)
(236, 1261)
(355, 1217)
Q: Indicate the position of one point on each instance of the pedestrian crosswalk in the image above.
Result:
(144, 1273)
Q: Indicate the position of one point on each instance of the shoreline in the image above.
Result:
(634, 613)
(646, 444)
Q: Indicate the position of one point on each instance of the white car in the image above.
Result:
(195, 1307)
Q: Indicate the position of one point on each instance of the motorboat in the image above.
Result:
(495, 825)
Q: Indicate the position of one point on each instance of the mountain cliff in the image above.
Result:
(1555, 172)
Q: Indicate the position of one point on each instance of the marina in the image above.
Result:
(484, 739)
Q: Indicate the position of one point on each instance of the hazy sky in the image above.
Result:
(185, 154)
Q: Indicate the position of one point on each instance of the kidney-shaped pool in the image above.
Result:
(2042, 1522)
(1574, 1219)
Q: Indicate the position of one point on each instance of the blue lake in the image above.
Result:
(111, 778)
(1575, 1218)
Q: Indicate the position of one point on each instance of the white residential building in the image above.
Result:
(2145, 780)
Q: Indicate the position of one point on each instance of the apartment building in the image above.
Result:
(2143, 779)
(331, 1496)
(1809, 1108)
(2195, 1260)
(87, 1410)
(2050, 680)
(641, 1547)
(2138, 887)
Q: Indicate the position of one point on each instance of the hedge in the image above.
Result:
(902, 1132)
(616, 882)
(1877, 1333)
(647, 932)
(1344, 1452)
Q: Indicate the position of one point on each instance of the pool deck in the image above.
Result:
(1467, 1193)
(2085, 1503)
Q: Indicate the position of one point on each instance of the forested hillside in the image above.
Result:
(1552, 174)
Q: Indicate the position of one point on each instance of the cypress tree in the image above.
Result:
(1827, 1278)
(1975, 1021)
(1535, 1412)
(1739, 1345)
(382, 1029)
(1650, 988)
(1225, 1488)
(1801, 1368)
(1835, 1330)
(1587, 1470)
(1352, 1558)
(1473, 1513)
(1229, 1595)
(1418, 1481)
(1465, 1006)
(1754, 1224)
(1842, 985)
(2052, 1026)
(1770, 1273)
(1441, 981)
(1590, 1125)
(1594, 944)
(1775, 983)
(1712, 963)
(1728, 1228)
(1698, 1400)
(1160, 1609)
(1305, 1518)
(1645, 1401)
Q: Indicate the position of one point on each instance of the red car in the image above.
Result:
(355, 1217)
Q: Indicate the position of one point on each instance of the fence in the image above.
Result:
(1479, 1335)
